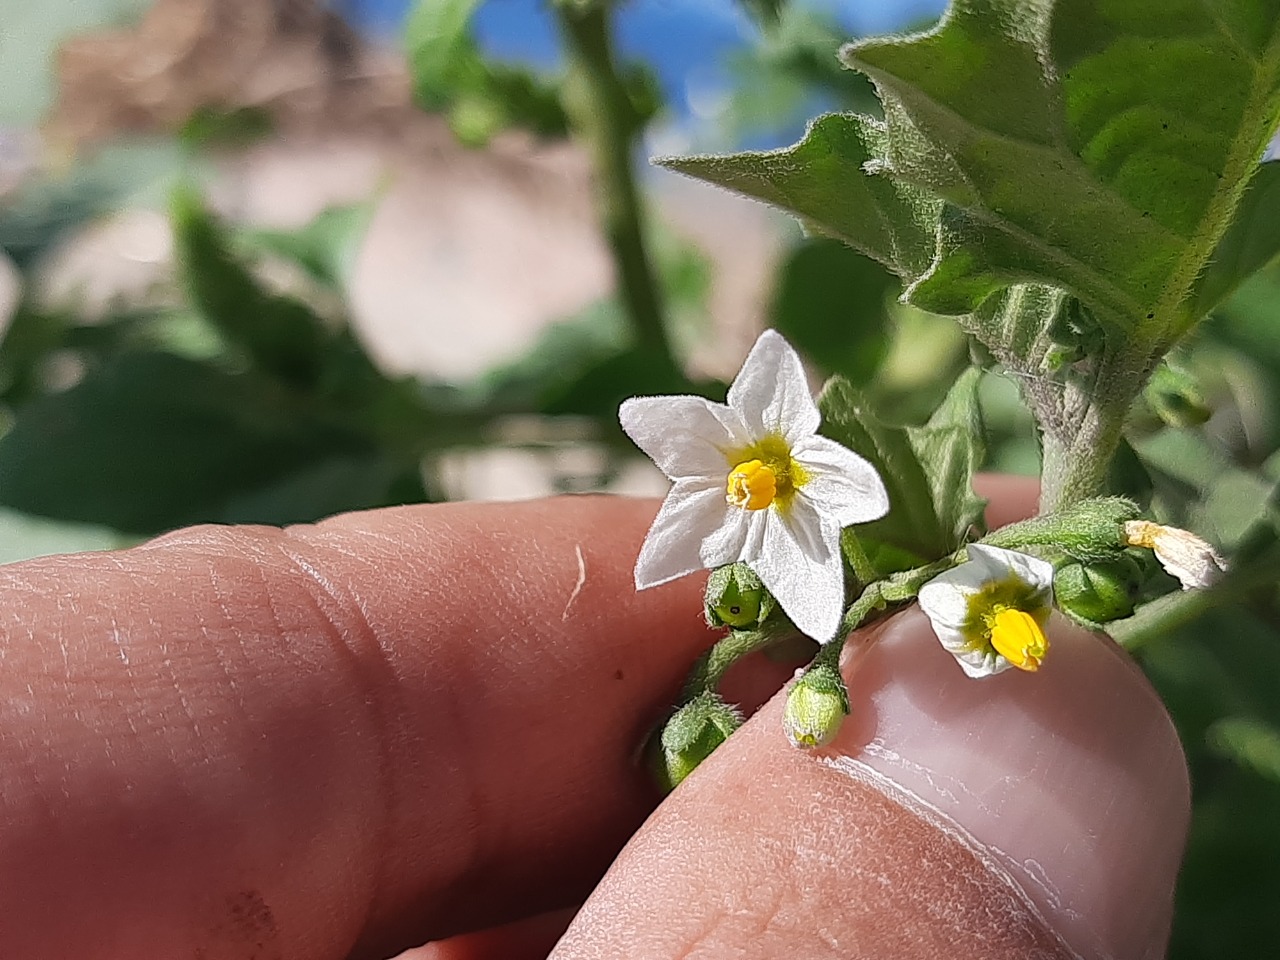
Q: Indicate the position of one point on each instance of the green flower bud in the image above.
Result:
(690, 736)
(736, 598)
(1176, 398)
(1097, 593)
(816, 706)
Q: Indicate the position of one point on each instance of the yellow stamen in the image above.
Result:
(751, 486)
(1018, 637)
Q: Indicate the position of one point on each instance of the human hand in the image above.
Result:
(398, 726)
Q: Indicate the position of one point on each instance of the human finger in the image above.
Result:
(336, 740)
(1023, 815)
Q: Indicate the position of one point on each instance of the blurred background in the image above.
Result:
(268, 260)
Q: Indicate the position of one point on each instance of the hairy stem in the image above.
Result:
(608, 118)
(1082, 424)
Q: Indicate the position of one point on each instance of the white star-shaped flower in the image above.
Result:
(753, 482)
(990, 611)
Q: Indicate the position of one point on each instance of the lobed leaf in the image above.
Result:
(823, 179)
(1109, 163)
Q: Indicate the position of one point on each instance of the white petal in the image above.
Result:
(946, 605)
(741, 538)
(944, 602)
(800, 564)
(693, 512)
(841, 484)
(1191, 560)
(684, 436)
(980, 663)
(1000, 563)
(771, 394)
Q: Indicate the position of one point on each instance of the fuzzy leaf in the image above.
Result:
(927, 470)
(822, 180)
(951, 448)
(1251, 243)
(1100, 146)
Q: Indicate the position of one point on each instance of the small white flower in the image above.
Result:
(1184, 555)
(990, 611)
(754, 483)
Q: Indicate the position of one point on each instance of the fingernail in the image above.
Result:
(1069, 780)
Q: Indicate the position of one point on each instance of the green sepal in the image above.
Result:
(690, 736)
(1091, 530)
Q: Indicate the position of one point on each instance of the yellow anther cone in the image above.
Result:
(1018, 637)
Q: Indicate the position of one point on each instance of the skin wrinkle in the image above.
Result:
(356, 644)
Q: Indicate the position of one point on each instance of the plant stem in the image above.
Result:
(608, 118)
(1082, 425)
(712, 666)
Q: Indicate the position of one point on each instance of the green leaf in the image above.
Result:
(830, 303)
(150, 441)
(1100, 146)
(822, 179)
(927, 470)
(765, 12)
(280, 334)
(325, 248)
(951, 447)
(481, 98)
(1251, 743)
(1250, 244)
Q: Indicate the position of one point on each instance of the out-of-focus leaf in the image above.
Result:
(325, 248)
(563, 353)
(764, 11)
(443, 57)
(217, 128)
(480, 98)
(280, 334)
(831, 303)
(330, 485)
(602, 387)
(1223, 665)
(151, 441)
(1251, 743)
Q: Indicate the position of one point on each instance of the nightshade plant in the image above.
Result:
(1077, 183)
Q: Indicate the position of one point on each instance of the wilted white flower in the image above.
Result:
(754, 483)
(1184, 555)
(990, 611)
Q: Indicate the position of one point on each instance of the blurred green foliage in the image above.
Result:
(223, 399)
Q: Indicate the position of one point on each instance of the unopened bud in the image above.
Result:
(1176, 398)
(736, 598)
(816, 707)
(691, 735)
(1097, 593)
